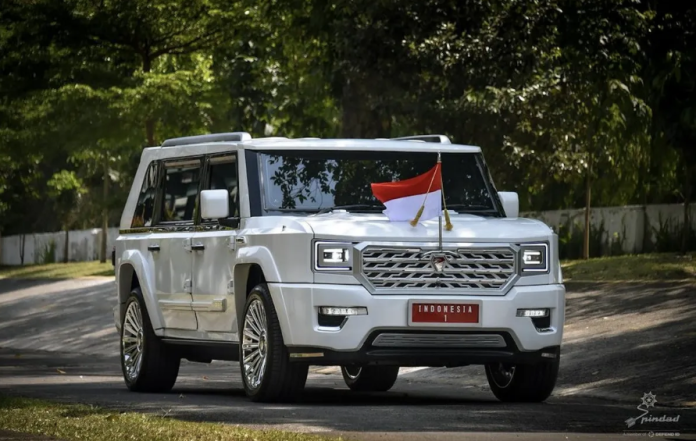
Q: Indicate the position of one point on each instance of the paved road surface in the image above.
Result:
(644, 344)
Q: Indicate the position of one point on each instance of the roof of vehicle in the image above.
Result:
(421, 143)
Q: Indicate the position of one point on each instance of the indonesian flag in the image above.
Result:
(404, 199)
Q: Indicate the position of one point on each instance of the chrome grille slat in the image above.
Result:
(402, 340)
(477, 268)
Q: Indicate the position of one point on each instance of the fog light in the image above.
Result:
(335, 310)
(533, 312)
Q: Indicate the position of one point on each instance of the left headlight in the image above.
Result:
(534, 258)
(333, 256)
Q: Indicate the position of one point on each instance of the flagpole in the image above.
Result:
(439, 216)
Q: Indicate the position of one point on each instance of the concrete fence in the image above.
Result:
(83, 245)
(613, 230)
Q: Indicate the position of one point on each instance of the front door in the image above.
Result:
(170, 243)
(214, 256)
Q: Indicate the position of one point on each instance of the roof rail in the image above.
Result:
(215, 137)
(442, 139)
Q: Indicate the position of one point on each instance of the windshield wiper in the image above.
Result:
(370, 207)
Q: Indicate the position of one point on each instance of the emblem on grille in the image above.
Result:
(438, 260)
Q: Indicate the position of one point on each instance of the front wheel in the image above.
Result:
(148, 365)
(370, 378)
(267, 373)
(523, 382)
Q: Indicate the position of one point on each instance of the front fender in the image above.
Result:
(262, 257)
(143, 270)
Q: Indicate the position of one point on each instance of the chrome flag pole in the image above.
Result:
(439, 217)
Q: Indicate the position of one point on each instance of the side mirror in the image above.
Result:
(511, 203)
(215, 204)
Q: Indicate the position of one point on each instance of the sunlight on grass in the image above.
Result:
(637, 267)
(80, 422)
(69, 270)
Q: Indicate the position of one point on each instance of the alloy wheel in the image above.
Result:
(255, 344)
(132, 341)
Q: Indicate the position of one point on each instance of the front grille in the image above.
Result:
(395, 340)
(387, 268)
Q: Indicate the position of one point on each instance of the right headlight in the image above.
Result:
(534, 258)
(333, 256)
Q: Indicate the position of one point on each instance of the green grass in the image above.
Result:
(642, 267)
(69, 270)
(81, 422)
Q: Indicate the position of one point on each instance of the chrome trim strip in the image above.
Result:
(176, 305)
(215, 305)
(404, 340)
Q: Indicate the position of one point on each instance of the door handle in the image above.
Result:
(153, 248)
(197, 247)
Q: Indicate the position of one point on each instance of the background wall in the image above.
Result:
(614, 230)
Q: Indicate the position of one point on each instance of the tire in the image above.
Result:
(264, 362)
(370, 378)
(526, 383)
(148, 365)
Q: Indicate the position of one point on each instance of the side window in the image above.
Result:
(145, 208)
(180, 195)
(223, 175)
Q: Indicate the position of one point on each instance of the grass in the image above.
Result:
(69, 270)
(641, 267)
(81, 422)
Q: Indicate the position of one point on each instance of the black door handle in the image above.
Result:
(153, 247)
(198, 247)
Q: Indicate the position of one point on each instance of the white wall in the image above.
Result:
(635, 225)
(83, 245)
(630, 224)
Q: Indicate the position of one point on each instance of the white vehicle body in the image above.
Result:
(195, 275)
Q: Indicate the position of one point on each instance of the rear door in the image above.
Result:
(214, 254)
(170, 242)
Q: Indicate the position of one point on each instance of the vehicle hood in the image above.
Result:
(466, 228)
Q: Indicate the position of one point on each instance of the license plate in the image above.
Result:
(444, 313)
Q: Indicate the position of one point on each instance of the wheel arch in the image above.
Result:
(133, 271)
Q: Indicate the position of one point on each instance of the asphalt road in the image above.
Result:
(57, 341)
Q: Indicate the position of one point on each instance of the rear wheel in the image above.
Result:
(523, 382)
(148, 365)
(370, 378)
(264, 361)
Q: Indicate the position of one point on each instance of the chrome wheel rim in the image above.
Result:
(255, 344)
(352, 372)
(502, 374)
(132, 341)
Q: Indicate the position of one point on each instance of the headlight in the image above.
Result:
(534, 258)
(333, 256)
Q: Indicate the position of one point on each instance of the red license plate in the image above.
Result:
(444, 313)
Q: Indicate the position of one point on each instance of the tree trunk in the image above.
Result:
(105, 211)
(588, 200)
(686, 226)
(66, 249)
(22, 240)
(149, 121)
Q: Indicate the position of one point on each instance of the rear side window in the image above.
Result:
(145, 208)
(223, 176)
(180, 190)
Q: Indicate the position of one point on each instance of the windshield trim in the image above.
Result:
(261, 184)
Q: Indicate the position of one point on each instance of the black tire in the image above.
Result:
(528, 383)
(281, 381)
(370, 378)
(159, 365)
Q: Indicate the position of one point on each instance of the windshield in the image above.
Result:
(312, 181)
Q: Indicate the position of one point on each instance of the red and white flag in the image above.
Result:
(404, 199)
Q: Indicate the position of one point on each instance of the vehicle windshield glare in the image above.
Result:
(313, 181)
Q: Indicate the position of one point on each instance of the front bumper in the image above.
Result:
(298, 304)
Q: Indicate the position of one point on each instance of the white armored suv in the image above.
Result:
(277, 253)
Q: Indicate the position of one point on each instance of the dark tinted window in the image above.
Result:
(315, 180)
(223, 175)
(145, 208)
(180, 195)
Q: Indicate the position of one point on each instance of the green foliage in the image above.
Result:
(48, 254)
(555, 92)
